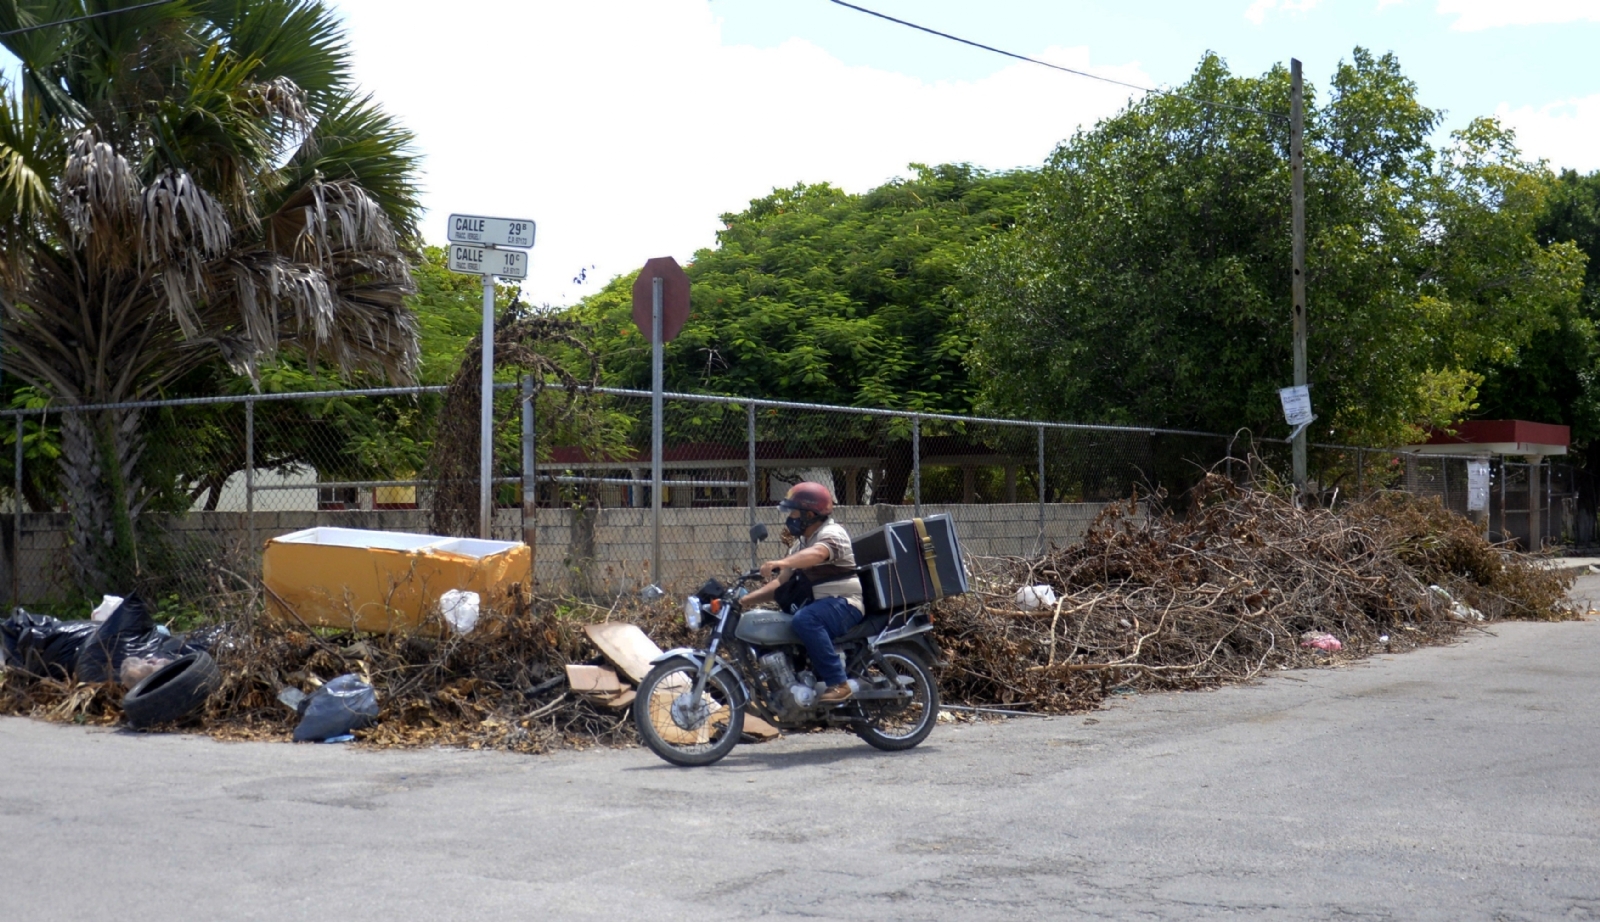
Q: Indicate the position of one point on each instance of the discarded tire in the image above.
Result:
(173, 692)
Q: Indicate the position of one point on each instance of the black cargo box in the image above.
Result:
(894, 573)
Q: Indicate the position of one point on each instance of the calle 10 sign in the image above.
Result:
(507, 264)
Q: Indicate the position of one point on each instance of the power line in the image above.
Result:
(1079, 73)
(100, 15)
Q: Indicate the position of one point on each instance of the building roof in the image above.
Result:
(1479, 437)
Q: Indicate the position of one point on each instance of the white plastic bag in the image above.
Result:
(1030, 598)
(459, 608)
(134, 669)
(108, 604)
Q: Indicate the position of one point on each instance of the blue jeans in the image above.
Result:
(817, 624)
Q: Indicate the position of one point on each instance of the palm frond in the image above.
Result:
(32, 153)
(297, 40)
(222, 129)
(100, 200)
(355, 141)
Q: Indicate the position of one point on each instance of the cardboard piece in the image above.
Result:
(631, 650)
(382, 581)
(616, 700)
(758, 728)
(625, 645)
(593, 680)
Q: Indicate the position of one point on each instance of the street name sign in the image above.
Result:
(475, 260)
(497, 232)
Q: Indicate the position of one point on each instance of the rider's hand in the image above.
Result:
(769, 570)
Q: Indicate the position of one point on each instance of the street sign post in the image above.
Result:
(485, 231)
(475, 249)
(660, 307)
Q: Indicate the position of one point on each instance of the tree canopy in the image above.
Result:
(1555, 378)
(181, 183)
(1150, 282)
(816, 294)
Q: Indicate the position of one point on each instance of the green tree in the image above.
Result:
(180, 183)
(1555, 378)
(815, 294)
(1150, 283)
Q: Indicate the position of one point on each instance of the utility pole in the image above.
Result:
(1298, 284)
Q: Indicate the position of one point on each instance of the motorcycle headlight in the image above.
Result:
(691, 613)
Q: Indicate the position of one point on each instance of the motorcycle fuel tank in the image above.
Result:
(765, 628)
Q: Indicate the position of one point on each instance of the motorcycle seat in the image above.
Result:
(869, 626)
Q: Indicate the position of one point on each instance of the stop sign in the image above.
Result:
(674, 296)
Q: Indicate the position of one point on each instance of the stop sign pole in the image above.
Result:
(660, 306)
(656, 356)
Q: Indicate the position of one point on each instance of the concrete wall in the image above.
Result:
(600, 553)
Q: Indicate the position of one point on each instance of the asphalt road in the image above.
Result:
(1451, 783)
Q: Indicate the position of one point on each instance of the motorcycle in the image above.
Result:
(690, 708)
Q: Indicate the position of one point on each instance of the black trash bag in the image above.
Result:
(44, 646)
(342, 705)
(128, 631)
(203, 640)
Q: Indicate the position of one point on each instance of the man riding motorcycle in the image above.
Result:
(826, 562)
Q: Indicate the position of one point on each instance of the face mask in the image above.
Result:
(796, 526)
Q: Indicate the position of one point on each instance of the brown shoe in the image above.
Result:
(835, 694)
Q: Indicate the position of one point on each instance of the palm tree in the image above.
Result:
(182, 182)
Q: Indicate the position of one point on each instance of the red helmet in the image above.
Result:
(808, 497)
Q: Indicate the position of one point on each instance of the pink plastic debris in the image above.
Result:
(1321, 641)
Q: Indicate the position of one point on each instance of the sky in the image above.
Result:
(625, 128)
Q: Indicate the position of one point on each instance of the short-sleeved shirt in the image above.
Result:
(833, 536)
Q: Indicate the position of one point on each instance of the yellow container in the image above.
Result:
(383, 581)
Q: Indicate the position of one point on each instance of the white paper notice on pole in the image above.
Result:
(1478, 485)
(1296, 405)
(507, 264)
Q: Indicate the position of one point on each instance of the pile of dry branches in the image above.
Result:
(501, 686)
(1146, 601)
(1225, 592)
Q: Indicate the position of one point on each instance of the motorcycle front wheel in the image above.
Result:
(679, 730)
(897, 725)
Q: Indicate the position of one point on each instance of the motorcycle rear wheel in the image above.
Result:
(894, 726)
(711, 733)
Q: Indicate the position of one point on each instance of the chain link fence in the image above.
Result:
(218, 477)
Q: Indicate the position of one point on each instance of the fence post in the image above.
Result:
(1361, 472)
(16, 524)
(250, 475)
(1549, 509)
(916, 465)
(1041, 489)
(530, 477)
(750, 472)
(1504, 472)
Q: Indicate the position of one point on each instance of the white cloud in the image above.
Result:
(1565, 133)
(1257, 13)
(1476, 15)
(625, 127)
